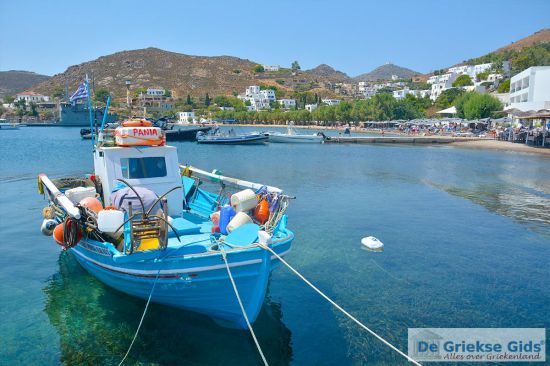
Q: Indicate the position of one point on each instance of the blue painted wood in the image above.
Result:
(243, 235)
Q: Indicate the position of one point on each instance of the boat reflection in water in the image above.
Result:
(96, 325)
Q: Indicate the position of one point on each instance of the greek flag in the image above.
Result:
(80, 93)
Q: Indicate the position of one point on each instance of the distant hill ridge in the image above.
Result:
(16, 81)
(385, 72)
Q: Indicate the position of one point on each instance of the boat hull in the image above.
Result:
(198, 283)
(237, 140)
(284, 138)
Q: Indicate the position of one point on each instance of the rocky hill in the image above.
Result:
(385, 72)
(13, 81)
(542, 36)
(326, 71)
(180, 73)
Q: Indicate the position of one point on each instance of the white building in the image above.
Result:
(268, 94)
(259, 99)
(470, 70)
(156, 91)
(395, 77)
(33, 97)
(311, 107)
(441, 83)
(186, 117)
(530, 89)
(287, 103)
(331, 101)
(400, 94)
(271, 67)
(494, 77)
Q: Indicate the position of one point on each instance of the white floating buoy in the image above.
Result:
(371, 243)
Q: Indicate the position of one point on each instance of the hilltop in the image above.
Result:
(15, 81)
(385, 72)
(328, 72)
(542, 36)
(182, 74)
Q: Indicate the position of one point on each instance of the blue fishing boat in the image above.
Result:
(149, 227)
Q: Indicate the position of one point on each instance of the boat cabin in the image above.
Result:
(152, 167)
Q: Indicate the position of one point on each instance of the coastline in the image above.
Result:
(469, 143)
(488, 144)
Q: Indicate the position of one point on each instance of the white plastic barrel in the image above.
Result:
(239, 219)
(244, 200)
(109, 221)
(79, 193)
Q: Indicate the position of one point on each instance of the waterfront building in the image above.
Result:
(186, 117)
(530, 89)
(311, 107)
(287, 103)
(331, 101)
(31, 97)
(259, 99)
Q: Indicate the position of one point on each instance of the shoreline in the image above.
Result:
(469, 143)
(489, 144)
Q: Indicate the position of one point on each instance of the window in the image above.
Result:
(137, 168)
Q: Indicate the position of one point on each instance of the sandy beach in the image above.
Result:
(501, 145)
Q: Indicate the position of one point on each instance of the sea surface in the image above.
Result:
(467, 244)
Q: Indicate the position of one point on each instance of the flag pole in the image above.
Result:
(92, 132)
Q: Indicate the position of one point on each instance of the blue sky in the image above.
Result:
(352, 36)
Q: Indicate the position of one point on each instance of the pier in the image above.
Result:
(397, 139)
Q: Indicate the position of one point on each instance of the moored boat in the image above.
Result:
(291, 136)
(4, 125)
(151, 228)
(232, 138)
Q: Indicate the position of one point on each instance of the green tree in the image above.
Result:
(447, 97)
(504, 87)
(258, 68)
(167, 93)
(482, 76)
(189, 101)
(476, 105)
(2, 110)
(139, 91)
(34, 109)
(206, 100)
(295, 66)
(101, 95)
(58, 93)
(463, 80)
(8, 99)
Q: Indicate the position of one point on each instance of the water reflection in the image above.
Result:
(96, 324)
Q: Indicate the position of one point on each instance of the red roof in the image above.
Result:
(29, 93)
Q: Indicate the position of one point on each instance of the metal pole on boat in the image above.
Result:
(105, 114)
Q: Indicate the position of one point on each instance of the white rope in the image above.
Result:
(242, 307)
(141, 321)
(339, 307)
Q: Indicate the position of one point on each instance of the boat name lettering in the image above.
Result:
(95, 249)
(145, 131)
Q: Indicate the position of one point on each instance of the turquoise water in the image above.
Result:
(467, 244)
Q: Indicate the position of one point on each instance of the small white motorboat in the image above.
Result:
(292, 137)
(372, 243)
(5, 125)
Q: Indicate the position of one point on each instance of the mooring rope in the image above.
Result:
(241, 305)
(338, 306)
(142, 317)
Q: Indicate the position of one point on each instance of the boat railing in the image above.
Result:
(56, 196)
(230, 180)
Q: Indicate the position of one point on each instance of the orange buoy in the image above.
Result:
(92, 203)
(58, 233)
(136, 123)
(261, 213)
